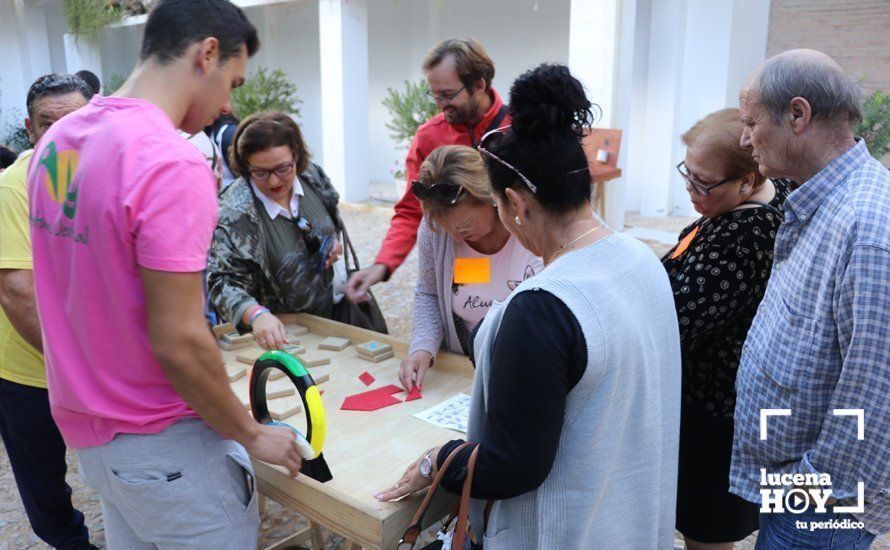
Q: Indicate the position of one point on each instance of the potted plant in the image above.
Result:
(408, 109)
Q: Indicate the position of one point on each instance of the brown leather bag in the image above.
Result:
(460, 510)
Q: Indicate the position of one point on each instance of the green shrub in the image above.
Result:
(113, 84)
(87, 17)
(266, 90)
(409, 108)
(15, 136)
(875, 126)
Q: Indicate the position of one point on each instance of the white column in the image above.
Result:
(26, 55)
(343, 36)
(81, 54)
(593, 38)
(666, 26)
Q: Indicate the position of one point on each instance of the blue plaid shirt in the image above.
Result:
(821, 341)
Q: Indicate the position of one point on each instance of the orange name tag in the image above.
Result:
(472, 271)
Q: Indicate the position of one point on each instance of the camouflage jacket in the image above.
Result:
(240, 270)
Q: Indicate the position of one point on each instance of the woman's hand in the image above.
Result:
(413, 369)
(269, 332)
(336, 252)
(412, 480)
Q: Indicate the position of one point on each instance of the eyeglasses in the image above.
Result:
(445, 193)
(283, 170)
(491, 137)
(439, 98)
(313, 242)
(699, 187)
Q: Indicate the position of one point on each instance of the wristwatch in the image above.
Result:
(426, 465)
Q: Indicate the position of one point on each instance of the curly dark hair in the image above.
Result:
(550, 114)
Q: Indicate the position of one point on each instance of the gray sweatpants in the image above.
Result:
(185, 487)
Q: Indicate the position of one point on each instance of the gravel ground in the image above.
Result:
(367, 224)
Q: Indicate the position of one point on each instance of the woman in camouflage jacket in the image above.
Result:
(275, 241)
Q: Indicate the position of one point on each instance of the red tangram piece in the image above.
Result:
(372, 400)
(413, 394)
(367, 378)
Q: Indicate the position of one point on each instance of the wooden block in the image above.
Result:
(334, 343)
(250, 356)
(235, 372)
(279, 409)
(294, 350)
(246, 402)
(233, 347)
(321, 378)
(296, 330)
(378, 358)
(220, 330)
(310, 360)
(234, 338)
(373, 348)
(283, 392)
(276, 374)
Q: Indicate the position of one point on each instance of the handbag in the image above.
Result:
(367, 314)
(459, 512)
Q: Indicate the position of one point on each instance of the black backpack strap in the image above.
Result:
(493, 125)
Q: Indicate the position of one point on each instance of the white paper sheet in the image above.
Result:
(452, 413)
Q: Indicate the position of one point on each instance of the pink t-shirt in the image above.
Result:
(112, 187)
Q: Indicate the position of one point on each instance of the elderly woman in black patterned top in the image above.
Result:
(718, 270)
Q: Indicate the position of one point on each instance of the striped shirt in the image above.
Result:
(821, 341)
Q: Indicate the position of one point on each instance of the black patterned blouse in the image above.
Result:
(718, 282)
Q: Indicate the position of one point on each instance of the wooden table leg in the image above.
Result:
(317, 538)
(353, 546)
(261, 503)
(297, 539)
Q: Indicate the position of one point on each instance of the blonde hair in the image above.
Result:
(459, 165)
(719, 133)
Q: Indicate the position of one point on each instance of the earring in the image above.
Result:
(517, 221)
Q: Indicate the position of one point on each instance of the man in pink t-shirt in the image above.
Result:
(122, 214)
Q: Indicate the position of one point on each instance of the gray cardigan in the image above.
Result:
(613, 482)
(433, 321)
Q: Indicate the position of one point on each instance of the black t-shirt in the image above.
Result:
(539, 355)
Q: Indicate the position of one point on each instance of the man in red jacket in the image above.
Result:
(459, 74)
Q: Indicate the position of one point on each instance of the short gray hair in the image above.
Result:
(829, 90)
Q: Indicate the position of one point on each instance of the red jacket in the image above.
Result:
(433, 133)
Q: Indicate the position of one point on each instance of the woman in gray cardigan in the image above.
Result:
(468, 259)
(576, 401)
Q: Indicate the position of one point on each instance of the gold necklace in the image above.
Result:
(573, 241)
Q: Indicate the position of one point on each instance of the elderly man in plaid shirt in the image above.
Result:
(819, 347)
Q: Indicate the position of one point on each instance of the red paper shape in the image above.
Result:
(367, 378)
(372, 400)
(413, 394)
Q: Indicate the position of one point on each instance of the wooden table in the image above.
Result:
(366, 451)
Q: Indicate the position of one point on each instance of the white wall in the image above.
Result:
(699, 53)
(518, 35)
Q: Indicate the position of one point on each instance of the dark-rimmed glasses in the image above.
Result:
(283, 170)
(439, 98)
(445, 193)
(699, 187)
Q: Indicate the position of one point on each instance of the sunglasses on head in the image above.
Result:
(445, 193)
(492, 137)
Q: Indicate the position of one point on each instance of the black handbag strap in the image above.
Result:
(493, 125)
(769, 207)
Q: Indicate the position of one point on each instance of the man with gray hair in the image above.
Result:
(812, 412)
